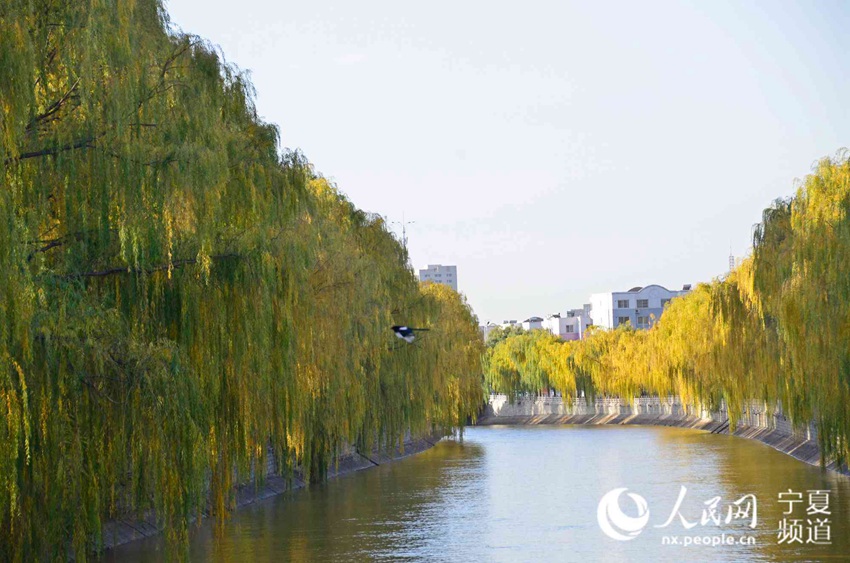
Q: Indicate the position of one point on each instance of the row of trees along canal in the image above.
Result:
(776, 329)
(177, 293)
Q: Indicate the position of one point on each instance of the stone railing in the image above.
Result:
(755, 413)
(757, 421)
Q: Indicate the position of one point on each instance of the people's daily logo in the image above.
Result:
(614, 522)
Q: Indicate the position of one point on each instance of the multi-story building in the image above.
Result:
(438, 273)
(570, 326)
(639, 306)
(532, 323)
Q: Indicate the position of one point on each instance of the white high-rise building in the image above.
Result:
(438, 273)
(639, 306)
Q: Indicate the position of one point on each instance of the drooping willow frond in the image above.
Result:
(177, 294)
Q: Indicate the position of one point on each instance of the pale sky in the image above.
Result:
(551, 149)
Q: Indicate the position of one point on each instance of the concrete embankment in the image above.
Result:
(126, 530)
(768, 426)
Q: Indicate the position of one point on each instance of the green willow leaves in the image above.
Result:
(178, 299)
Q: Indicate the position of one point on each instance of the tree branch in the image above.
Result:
(51, 151)
(53, 243)
(154, 269)
(53, 108)
(159, 88)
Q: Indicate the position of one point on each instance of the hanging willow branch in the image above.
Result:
(138, 151)
(771, 333)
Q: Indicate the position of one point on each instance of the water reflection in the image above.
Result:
(527, 494)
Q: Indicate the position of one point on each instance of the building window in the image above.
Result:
(643, 303)
(664, 302)
(570, 328)
(622, 303)
(643, 321)
(622, 320)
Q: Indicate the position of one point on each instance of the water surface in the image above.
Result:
(530, 493)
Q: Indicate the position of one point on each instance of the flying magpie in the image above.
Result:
(406, 333)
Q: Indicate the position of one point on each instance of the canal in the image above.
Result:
(532, 493)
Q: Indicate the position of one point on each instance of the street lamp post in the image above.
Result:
(404, 225)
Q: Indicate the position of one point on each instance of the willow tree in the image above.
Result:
(139, 192)
(452, 352)
(179, 297)
(526, 362)
(356, 286)
(801, 262)
(775, 330)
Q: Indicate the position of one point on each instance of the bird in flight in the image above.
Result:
(406, 333)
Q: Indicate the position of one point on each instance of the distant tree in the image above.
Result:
(499, 334)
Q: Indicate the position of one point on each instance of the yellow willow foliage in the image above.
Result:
(745, 359)
(358, 290)
(452, 351)
(801, 267)
(177, 295)
(530, 362)
(679, 356)
(776, 330)
(682, 343)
